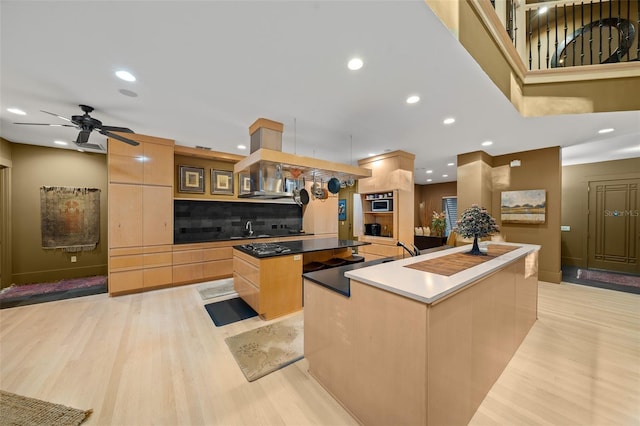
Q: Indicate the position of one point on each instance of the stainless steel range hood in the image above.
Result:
(268, 168)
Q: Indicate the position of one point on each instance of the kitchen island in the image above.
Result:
(268, 276)
(408, 346)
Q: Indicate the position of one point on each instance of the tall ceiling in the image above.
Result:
(206, 70)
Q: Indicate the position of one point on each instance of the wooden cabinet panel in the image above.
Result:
(187, 273)
(217, 253)
(247, 291)
(158, 160)
(157, 259)
(217, 269)
(187, 256)
(125, 281)
(157, 217)
(119, 148)
(247, 270)
(154, 277)
(380, 250)
(123, 169)
(125, 262)
(125, 215)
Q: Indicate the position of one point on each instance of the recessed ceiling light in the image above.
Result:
(445, 175)
(16, 111)
(355, 64)
(60, 142)
(449, 120)
(609, 130)
(242, 147)
(449, 164)
(413, 99)
(371, 154)
(429, 180)
(487, 143)
(125, 75)
(429, 171)
(80, 150)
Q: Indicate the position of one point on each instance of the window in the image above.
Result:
(450, 209)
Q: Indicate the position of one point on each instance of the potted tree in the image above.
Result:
(476, 222)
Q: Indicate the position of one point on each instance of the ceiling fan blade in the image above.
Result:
(47, 124)
(83, 137)
(116, 129)
(55, 115)
(120, 138)
(90, 146)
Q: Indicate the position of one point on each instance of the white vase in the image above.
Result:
(427, 231)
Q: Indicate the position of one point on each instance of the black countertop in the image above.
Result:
(242, 237)
(304, 246)
(334, 279)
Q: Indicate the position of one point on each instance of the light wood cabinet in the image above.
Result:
(140, 214)
(391, 180)
(202, 262)
(272, 286)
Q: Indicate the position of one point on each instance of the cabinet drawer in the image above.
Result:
(125, 281)
(247, 270)
(119, 263)
(124, 169)
(157, 259)
(217, 253)
(187, 273)
(187, 256)
(217, 269)
(153, 277)
(248, 292)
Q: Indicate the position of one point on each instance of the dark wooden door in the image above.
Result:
(345, 227)
(614, 233)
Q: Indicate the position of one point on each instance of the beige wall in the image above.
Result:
(540, 169)
(429, 198)
(575, 202)
(36, 166)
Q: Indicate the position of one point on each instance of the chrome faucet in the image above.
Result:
(415, 251)
(249, 227)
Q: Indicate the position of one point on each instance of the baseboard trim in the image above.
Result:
(58, 274)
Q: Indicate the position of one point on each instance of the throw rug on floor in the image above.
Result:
(17, 410)
(267, 349)
(609, 277)
(215, 289)
(24, 290)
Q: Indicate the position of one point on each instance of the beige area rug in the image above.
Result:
(266, 349)
(16, 410)
(215, 289)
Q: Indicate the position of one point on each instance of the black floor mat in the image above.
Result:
(229, 311)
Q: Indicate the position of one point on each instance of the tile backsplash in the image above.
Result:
(200, 221)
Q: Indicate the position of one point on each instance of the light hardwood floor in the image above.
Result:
(157, 358)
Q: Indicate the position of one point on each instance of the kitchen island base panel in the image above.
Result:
(394, 360)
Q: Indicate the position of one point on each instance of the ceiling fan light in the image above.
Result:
(449, 120)
(125, 75)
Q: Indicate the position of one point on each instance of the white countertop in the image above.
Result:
(429, 287)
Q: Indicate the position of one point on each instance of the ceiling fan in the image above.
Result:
(87, 124)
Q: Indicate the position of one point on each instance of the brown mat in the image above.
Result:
(458, 262)
(21, 410)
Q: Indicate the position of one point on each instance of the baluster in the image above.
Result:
(573, 42)
(600, 32)
(548, 41)
(530, 39)
(627, 35)
(555, 45)
(539, 42)
(637, 44)
(515, 23)
(610, 36)
(566, 27)
(619, 33)
(581, 33)
(590, 35)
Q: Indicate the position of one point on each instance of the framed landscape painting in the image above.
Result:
(528, 206)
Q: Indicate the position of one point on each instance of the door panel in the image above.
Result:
(613, 225)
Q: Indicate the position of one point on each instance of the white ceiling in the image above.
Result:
(206, 70)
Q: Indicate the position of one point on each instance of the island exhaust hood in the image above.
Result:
(268, 169)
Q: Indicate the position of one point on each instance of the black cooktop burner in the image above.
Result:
(266, 248)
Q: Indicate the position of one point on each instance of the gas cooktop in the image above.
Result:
(266, 248)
